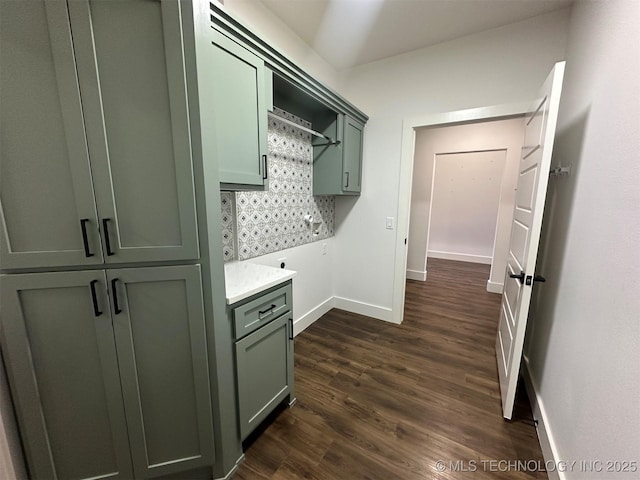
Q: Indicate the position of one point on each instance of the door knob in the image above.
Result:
(519, 276)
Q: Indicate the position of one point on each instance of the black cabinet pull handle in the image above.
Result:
(347, 185)
(268, 310)
(265, 172)
(94, 298)
(107, 241)
(291, 328)
(519, 276)
(114, 291)
(85, 238)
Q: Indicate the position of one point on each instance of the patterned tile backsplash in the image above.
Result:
(257, 223)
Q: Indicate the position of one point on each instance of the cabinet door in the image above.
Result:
(57, 341)
(264, 364)
(46, 197)
(239, 112)
(132, 77)
(352, 154)
(160, 335)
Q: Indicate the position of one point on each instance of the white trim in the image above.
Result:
(459, 257)
(312, 315)
(361, 308)
(353, 306)
(406, 174)
(417, 275)
(433, 186)
(545, 437)
(495, 287)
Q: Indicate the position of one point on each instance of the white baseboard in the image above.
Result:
(361, 308)
(459, 257)
(353, 306)
(495, 287)
(417, 275)
(312, 315)
(547, 444)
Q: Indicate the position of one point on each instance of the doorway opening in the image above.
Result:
(462, 195)
(471, 118)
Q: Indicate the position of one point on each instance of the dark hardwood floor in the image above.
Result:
(384, 401)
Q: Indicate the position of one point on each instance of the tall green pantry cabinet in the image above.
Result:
(110, 256)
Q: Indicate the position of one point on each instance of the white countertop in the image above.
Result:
(244, 279)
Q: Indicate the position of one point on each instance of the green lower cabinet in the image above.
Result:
(108, 371)
(62, 365)
(158, 321)
(264, 365)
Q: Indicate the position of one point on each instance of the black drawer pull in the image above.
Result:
(267, 311)
(114, 290)
(85, 238)
(265, 172)
(107, 241)
(94, 298)
(291, 328)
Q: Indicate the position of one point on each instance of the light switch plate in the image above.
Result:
(390, 223)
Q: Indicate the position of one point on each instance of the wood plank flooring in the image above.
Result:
(384, 401)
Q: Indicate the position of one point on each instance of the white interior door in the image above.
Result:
(533, 176)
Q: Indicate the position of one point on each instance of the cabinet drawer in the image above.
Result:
(260, 311)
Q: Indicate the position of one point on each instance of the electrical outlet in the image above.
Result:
(282, 262)
(390, 223)
(324, 249)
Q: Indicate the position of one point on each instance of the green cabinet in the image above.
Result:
(158, 322)
(108, 371)
(96, 161)
(264, 354)
(239, 113)
(337, 169)
(46, 194)
(62, 366)
(353, 138)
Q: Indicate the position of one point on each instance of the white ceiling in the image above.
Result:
(347, 33)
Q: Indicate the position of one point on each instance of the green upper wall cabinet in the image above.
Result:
(96, 160)
(239, 113)
(240, 110)
(337, 169)
(353, 139)
(109, 371)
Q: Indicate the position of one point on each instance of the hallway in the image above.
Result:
(384, 401)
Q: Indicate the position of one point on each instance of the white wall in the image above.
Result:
(313, 284)
(503, 65)
(583, 344)
(492, 135)
(264, 23)
(464, 206)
